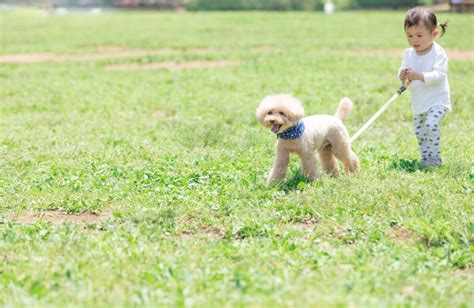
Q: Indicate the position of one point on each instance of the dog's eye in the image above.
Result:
(281, 113)
(270, 113)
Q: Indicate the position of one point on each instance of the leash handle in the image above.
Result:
(404, 87)
(401, 90)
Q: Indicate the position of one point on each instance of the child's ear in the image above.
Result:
(435, 32)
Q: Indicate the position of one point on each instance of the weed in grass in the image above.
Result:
(407, 165)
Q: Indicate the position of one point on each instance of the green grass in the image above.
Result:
(191, 220)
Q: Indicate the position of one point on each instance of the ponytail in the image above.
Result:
(443, 28)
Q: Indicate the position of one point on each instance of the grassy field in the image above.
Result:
(160, 173)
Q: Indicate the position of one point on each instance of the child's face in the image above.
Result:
(420, 38)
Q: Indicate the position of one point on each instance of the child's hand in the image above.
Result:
(411, 75)
(403, 74)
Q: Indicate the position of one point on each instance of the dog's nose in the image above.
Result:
(272, 122)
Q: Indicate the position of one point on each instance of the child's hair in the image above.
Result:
(422, 16)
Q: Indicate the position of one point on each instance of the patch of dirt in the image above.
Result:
(307, 222)
(402, 235)
(409, 291)
(172, 66)
(209, 232)
(106, 52)
(6, 257)
(453, 54)
(465, 272)
(57, 217)
(111, 52)
(462, 55)
(159, 113)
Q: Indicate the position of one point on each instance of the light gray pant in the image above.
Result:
(426, 126)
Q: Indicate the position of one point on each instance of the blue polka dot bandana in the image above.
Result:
(294, 132)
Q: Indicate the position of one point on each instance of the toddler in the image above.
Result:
(425, 65)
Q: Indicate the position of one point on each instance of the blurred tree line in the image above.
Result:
(284, 5)
(255, 4)
(206, 5)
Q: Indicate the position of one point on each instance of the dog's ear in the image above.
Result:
(293, 108)
(263, 109)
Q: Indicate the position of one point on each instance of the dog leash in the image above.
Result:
(381, 110)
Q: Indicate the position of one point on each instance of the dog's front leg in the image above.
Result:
(308, 165)
(280, 167)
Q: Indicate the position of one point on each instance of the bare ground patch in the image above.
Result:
(465, 272)
(58, 217)
(308, 222)
(462, 55)
(453, 54)
(113, 52)
(210, 233)
(159, 113)
(402, 235)
(172, 66)
(106, 52)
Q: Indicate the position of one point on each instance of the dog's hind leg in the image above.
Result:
(352, 164)
(328, 162)
(341, 148)
(349, 158)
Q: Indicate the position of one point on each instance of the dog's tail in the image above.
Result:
(345, 107)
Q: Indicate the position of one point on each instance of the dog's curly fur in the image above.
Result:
(323, 133)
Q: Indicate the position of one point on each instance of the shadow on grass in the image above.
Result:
(296, 182)
(407, 165)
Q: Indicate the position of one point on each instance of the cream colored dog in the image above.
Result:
(284, 115)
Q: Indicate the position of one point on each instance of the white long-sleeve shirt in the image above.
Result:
(434, 67)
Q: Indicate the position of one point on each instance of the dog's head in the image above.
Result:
(279, 112)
